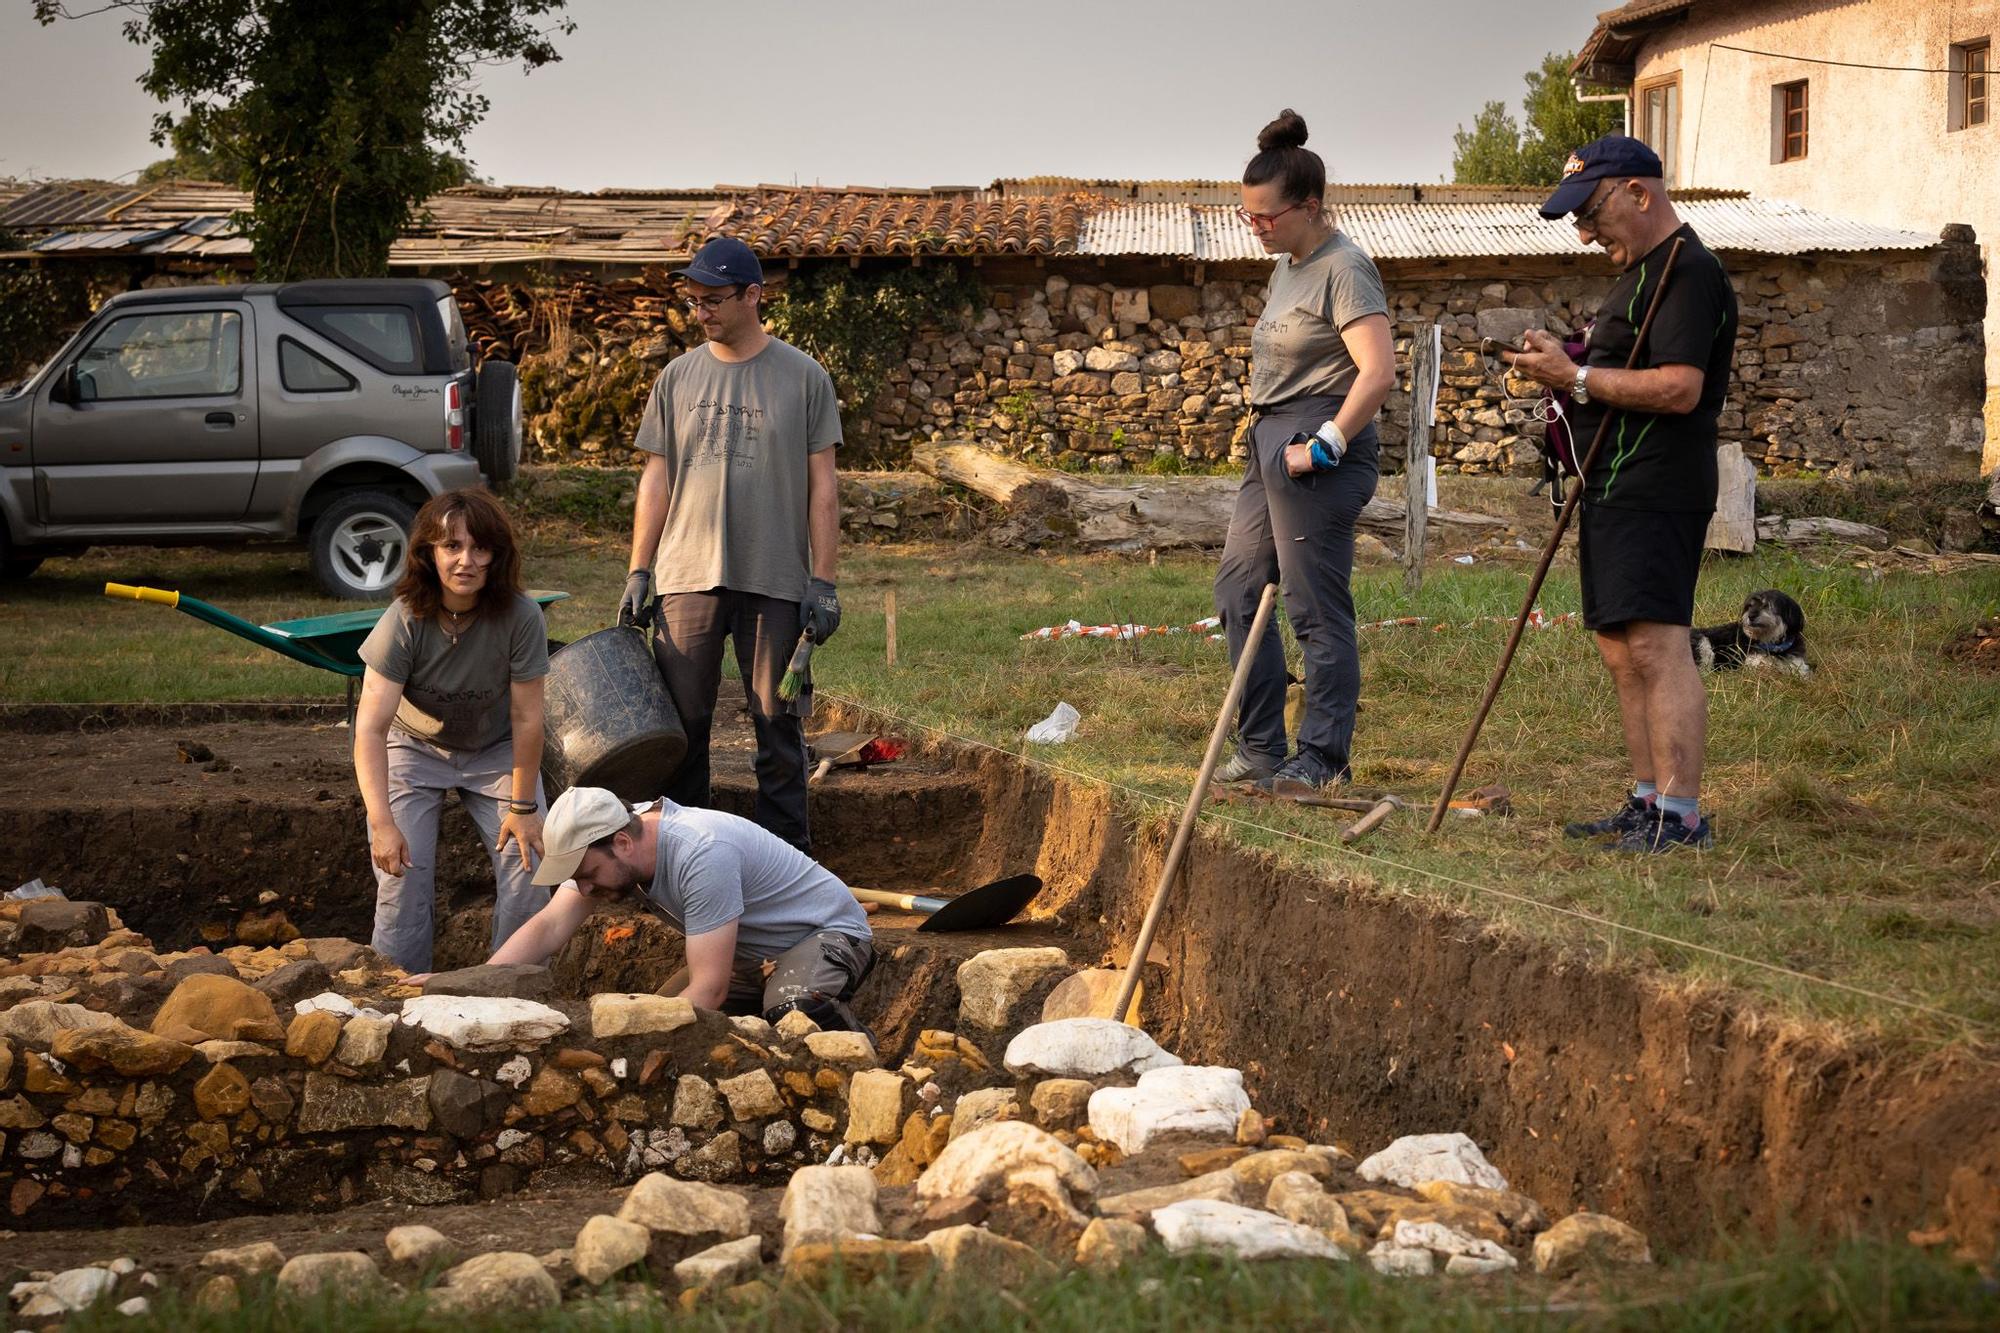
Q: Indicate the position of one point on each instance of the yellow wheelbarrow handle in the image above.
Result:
(126, 590)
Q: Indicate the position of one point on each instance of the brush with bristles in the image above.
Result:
(795, 672)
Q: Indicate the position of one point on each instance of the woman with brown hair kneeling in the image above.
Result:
(1321, 364)
(452, 701)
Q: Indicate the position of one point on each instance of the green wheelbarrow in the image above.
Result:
(331, 643)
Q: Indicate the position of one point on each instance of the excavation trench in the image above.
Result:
(1356, 1015)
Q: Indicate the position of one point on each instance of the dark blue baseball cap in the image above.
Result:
(1617, 155)
(723, 262)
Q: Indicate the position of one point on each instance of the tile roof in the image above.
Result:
(817, 223)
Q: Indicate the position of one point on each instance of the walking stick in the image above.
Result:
(1548, 557)
(1185, 832)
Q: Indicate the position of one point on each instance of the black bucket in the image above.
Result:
(607, 718)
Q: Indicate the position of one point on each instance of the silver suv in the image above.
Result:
(322, 412)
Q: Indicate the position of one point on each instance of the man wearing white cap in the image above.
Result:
(744, 898)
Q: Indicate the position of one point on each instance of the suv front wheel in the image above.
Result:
(359, 545)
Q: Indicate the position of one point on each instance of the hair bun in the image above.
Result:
(1287, 131)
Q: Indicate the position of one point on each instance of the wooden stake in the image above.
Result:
(1185, 833)
(1425, 356)
(889, 624)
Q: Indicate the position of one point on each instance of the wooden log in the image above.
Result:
(1426, 360)
(1807, 531)
(1136, 514)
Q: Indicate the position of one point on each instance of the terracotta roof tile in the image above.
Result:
(819, 223)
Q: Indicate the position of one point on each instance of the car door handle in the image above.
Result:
(220, 418)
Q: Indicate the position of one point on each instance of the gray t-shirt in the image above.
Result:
(735, 435)
(463, 685)
(714, 868)
(1296, 348)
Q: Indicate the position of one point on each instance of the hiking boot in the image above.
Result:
(1635, 814)
(1666, 835)
(1301, 776)
(1242, 768)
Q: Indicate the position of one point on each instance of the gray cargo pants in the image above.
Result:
(1299, 533)
(419, 776)
(688, 640)
(818, 975)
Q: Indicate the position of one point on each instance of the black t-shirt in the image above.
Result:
(1659, 461)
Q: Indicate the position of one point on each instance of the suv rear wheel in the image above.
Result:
(15, 564)
(496, 422)
(360, 543)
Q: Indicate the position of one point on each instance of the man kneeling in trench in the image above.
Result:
(769, 929)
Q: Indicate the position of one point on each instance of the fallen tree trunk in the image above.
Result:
(1807, 531)
(1127, 514)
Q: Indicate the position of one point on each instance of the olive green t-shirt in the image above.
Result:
(735, 435)
(1296, 347)
(466, 685)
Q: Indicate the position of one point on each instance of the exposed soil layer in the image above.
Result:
(1355, 1014)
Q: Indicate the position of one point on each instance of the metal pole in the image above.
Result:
(1185, 833)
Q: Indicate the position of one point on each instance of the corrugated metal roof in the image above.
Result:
(1400, 231)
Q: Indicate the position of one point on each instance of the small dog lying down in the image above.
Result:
(1771, 632)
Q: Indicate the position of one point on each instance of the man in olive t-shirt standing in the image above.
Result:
(736, 528)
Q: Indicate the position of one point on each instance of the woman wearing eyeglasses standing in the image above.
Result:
(1321, 364)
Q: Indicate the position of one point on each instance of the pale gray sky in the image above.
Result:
(897, 92)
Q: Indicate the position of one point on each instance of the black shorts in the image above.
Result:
(1639, 564)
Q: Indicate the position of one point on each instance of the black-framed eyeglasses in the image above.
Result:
(1266, 221)
(710, 304)
(1586, 220)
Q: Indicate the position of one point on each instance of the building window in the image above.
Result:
(1658, 106)
(1971, 83)
(1789, 121)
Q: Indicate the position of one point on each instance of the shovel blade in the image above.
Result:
(987, 906)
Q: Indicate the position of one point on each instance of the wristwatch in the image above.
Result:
(1579, 390)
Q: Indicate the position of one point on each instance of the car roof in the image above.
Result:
(331, 291)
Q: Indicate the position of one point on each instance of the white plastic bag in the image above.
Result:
(1057, 727)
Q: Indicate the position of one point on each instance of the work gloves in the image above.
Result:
(636, 607)
(819, 614)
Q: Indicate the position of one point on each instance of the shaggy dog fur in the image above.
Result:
(1771, 632)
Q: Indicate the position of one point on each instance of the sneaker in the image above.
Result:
(1666, 835)
(1300, 776)
(1242, 768)
(1635, 814)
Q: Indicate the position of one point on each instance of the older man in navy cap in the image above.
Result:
(1648, 498)
(737, 527)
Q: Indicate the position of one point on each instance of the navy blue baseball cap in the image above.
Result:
(723, 262)
(1617, 155)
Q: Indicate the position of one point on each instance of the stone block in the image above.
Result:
(996, 987)
(349, 1274)
(696, 1103)
(877, 1102)
(332, 1104)
(49, 924)
(1209, 1226)
(1416, 1158)
(721, 1265)
(127, 1050)
(1061, 1103)
(685, 1208)
(484, 1023)
(981, 1107)
(752, 1096)
(828, 1204)
(466, 1107)
(1092, 1048)
(520, 981)
(607, 1246)
(504, 1283)
(212, 1006)
(1583, 1238)
(638, 1015)
(1184, 1099)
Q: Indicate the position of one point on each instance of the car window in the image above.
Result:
(167, 354)
(454, 334)
(302, 370)
(385, 336)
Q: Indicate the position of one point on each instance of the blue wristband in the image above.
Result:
(1324, 459)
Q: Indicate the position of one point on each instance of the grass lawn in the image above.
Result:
(1853, 811)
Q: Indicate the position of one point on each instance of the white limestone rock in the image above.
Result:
(1401, 1260)
(685, 1208)
(418, 1246)
(1190, 1099)
(34, 1023)
(983, 1163)
(505, 1282)
(607, 1246)
(622, 1015)
(829, 1203)
(80, 1288)
(245, 1261)
(993, 984)
(1090, 1048)
(484, 1022)
(1451, 1243)
(1210, 1226)
(350, 1273)
(1416, 1158)
(722, 1265)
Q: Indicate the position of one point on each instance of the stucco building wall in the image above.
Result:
(1879, 149)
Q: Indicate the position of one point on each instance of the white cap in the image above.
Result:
(579, 817)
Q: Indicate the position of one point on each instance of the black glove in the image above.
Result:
(636, 607)
(819, 614)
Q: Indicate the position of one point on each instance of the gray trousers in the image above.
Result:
(1299, 533)
(818, 975)
(419, 776)
(688, 639)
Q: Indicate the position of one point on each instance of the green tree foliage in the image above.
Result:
(214, 151)
(338, 117)
(1498, 151)
(859, 324)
